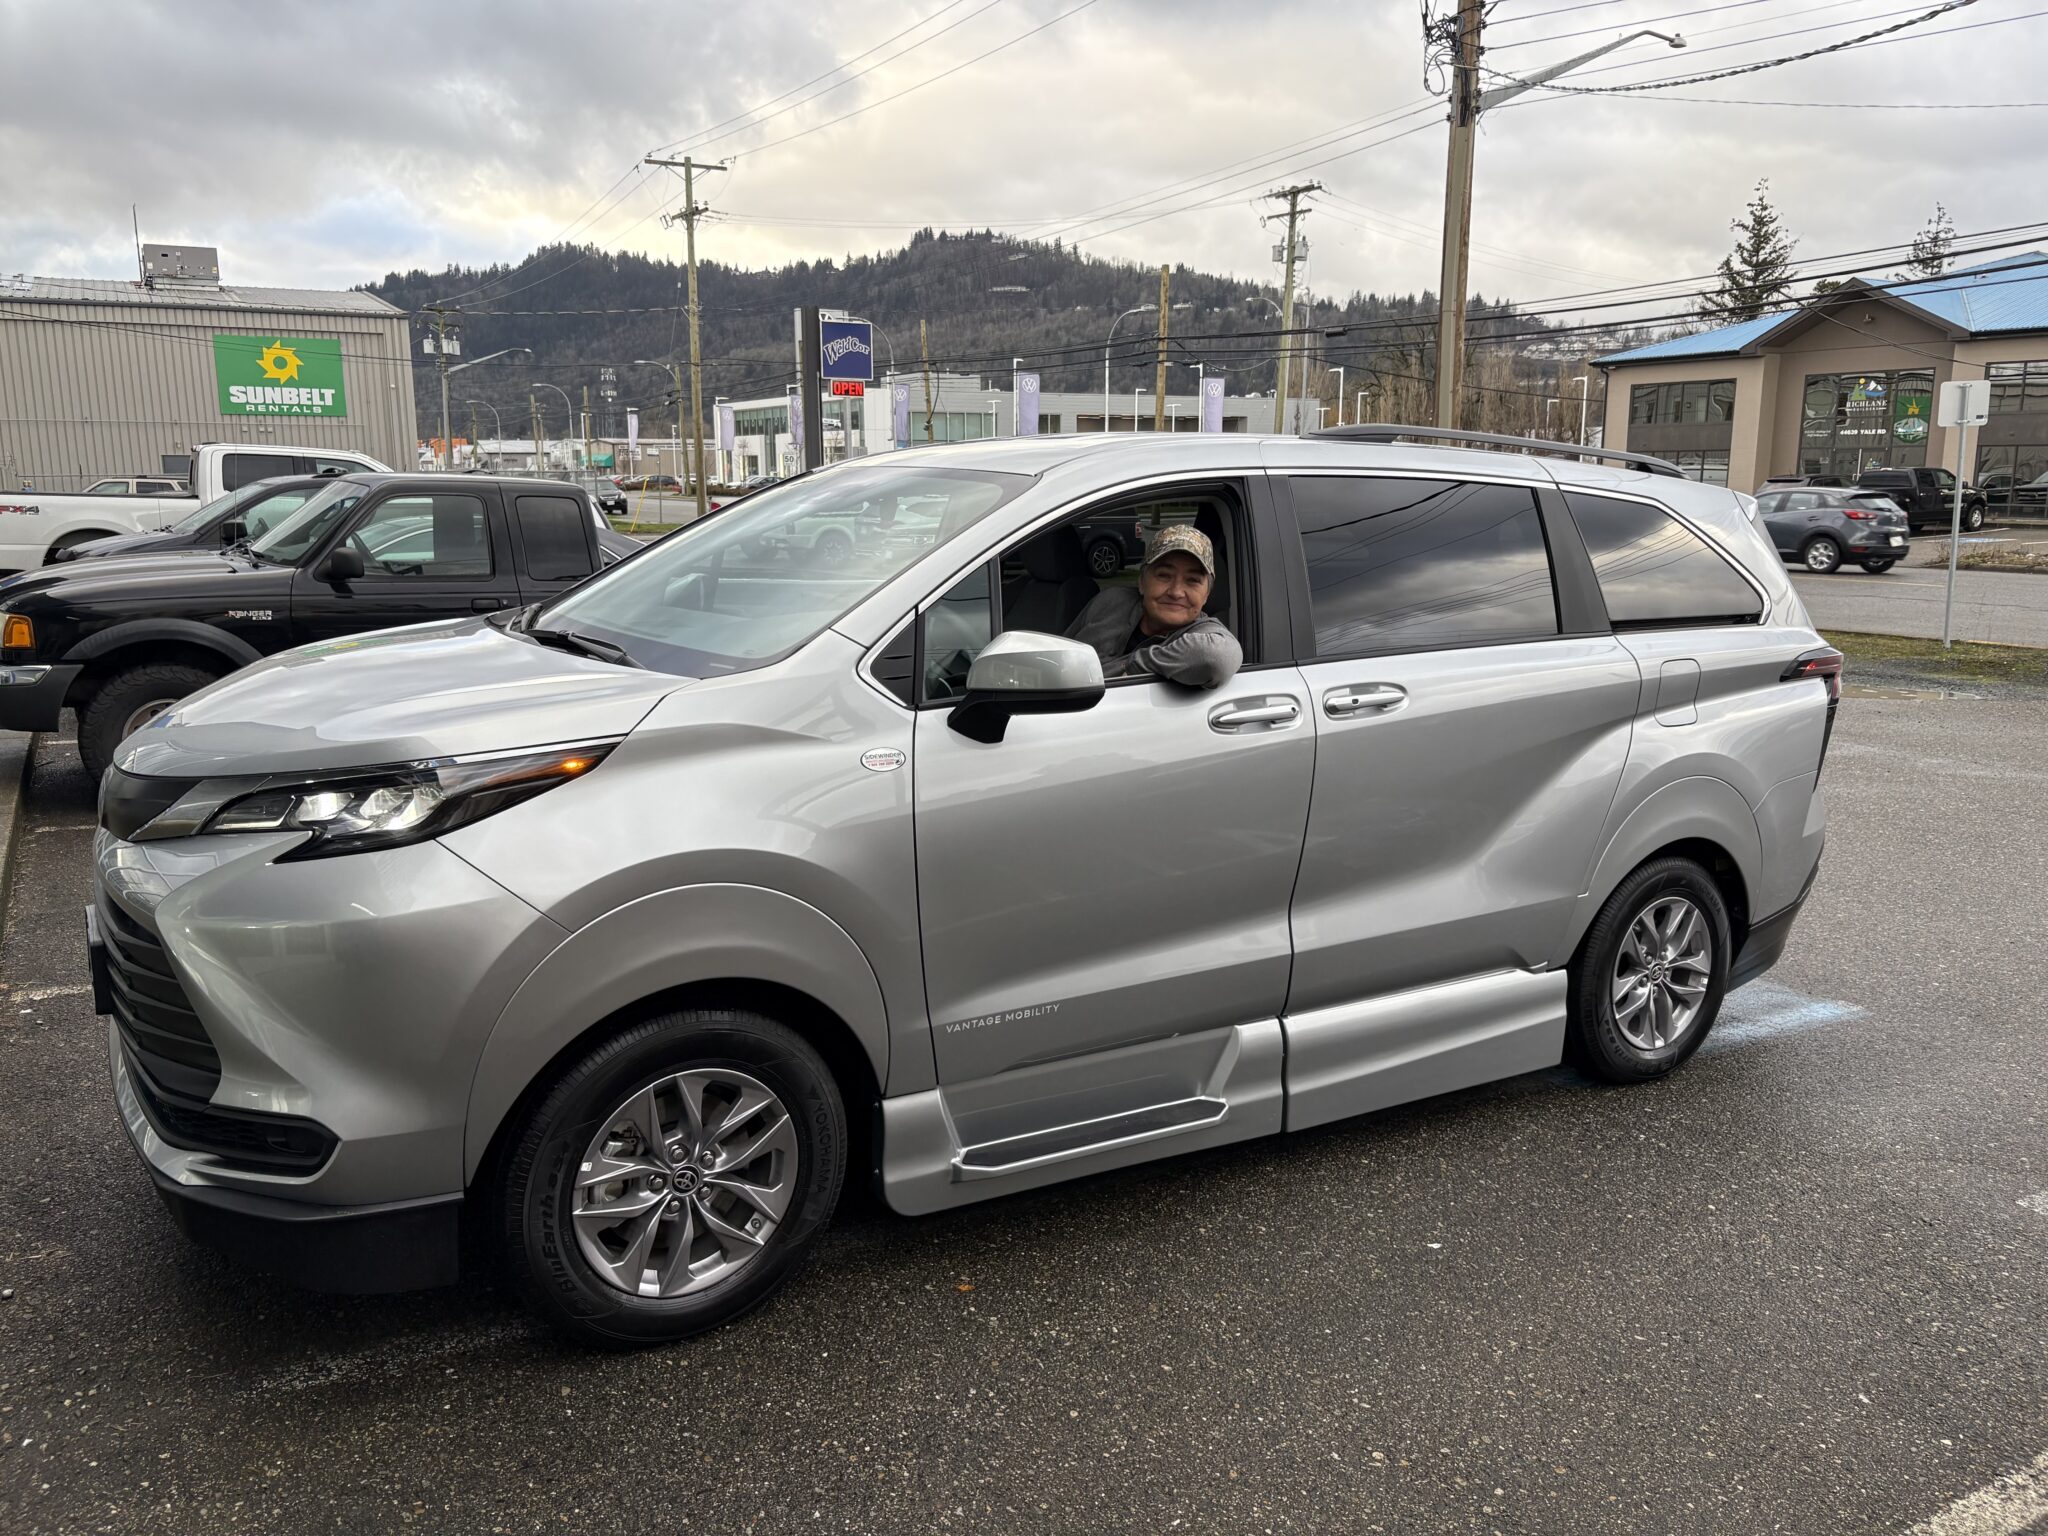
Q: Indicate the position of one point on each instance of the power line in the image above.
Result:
(921, 84)
(1653, 21)
(662, 149)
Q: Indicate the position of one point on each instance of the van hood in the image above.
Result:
(393, 696)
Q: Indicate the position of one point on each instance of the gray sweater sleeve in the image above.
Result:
(1204, 655)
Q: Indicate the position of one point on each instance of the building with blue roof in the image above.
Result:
(1846, 381)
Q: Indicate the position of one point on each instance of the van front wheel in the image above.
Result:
(674, 1178)
(1647, 981)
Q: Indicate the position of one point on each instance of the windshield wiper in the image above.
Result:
(583, 645)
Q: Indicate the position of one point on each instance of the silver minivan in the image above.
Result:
(621, 929)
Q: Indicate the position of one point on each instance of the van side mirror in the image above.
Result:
(1021, 672)
(341, 567)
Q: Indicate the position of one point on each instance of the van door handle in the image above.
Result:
(486, 604)
(1340, 703)
(1244, 714)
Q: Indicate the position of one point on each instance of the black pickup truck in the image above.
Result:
(120, 640)
(1928, 495)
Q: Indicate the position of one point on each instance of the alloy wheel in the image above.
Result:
(686, 1183)
(1822, 556)
(1662, 973)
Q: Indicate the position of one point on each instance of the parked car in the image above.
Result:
(618, 922)
(1928, 495)
(35, 525)
(245, 514)
(667, 485)
(121, 640)
(1823, 529)
(1791, 482)
(139, 485)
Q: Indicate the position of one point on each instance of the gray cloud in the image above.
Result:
(329, 144)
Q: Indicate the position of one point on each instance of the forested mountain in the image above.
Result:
(984, 299)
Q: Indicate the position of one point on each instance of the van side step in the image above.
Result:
(1060, 1142)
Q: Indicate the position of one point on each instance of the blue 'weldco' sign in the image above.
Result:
(846, 349)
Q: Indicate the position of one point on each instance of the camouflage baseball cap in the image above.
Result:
(1188, 541)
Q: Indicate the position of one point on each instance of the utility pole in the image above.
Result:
(440, 314)
(1159, 383)
(474, 440)
(533, 411)
(1457, 251)
(1293, 195)
(924, 352)
(586, 428)
(689, 215)
(1459, 39)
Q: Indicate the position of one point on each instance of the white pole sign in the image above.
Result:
(1964, 403)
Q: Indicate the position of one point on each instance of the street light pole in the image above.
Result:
(1585, 390)
(1467, 102)
(1340, 394)
(448, 443)
(497, 424)
(1142, 309)
(568, 405)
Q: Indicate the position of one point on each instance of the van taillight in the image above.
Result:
(1826, 662)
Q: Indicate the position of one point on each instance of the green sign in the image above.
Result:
(1909, 417)
(279, 376)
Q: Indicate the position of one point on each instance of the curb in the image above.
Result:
(17, 758)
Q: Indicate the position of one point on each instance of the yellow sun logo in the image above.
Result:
(279, 362)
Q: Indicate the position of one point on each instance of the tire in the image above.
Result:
(1973, 518)
(832, 550)
(1633, 1047)
(1878, 567)
(716, 1274)
(127, 701)
(1821, 555)
(1105, 558)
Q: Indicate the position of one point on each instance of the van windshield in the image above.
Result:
(287, 543)
(751, 584)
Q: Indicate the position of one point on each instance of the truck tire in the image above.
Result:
(126, 702)
(1105, 558)
(1973, 516)
(672, 1178)
(1878, 567)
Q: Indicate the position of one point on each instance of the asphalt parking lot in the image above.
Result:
(1800, 1286)
(2005, 607)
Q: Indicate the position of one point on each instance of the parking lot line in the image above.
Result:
(2001, 1508)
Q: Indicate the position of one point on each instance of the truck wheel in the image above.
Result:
(1647, 980)
(1822, 555)
(673, 1178)
(1878, 567)
(1973, 518)
(832, 549)
(127, 702)
(1105, 557)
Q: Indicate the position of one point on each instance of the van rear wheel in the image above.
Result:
(1648, 979)
(673, 1178)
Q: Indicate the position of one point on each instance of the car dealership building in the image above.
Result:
(1846, 381)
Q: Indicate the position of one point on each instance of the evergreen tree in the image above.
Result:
(1931, 248)
(1756, 277)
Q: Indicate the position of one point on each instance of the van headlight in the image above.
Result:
(360, 809)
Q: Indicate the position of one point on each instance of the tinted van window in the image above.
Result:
(1654, 570)
(1397, 564)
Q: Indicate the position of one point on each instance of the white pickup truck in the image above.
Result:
(33, 523)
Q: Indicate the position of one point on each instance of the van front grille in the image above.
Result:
(162, 1033)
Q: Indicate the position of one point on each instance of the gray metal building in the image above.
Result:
(109, 377)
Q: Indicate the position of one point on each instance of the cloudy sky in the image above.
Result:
(325, 144)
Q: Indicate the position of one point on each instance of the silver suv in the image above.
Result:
(626, 924)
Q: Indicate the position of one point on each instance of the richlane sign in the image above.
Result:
(279, 376)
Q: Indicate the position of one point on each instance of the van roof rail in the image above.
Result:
(1388, 432)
